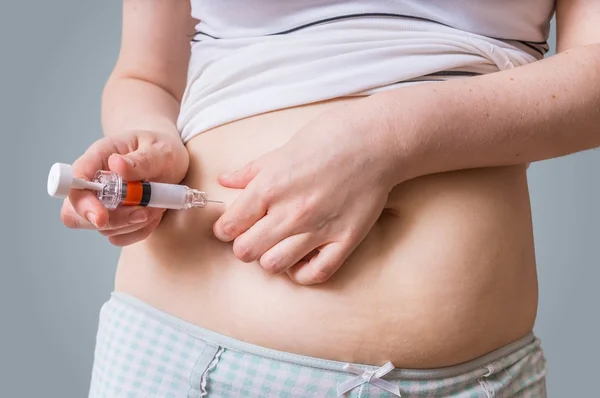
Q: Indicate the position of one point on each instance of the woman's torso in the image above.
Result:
(448, 271)
(446, 274)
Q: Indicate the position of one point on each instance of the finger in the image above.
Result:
(287, 253)
(126, 229)
(241, 178)
(126, 216)
(259, 238)
(150, 161)
(71, 219)
(136, 236)
(244, 212)
(117, 218)
(124, 220)
(303, 261)
(86, 205)
(322, 266)
(94, 159)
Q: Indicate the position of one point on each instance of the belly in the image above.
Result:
(446, 274)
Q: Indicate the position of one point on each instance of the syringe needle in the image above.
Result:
(214, 201)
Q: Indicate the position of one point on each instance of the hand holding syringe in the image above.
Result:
(113, 192)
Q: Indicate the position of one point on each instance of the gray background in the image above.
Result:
(56, 56)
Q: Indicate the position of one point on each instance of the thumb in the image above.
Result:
(145, 163)
(242, 177)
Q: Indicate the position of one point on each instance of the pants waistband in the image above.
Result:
(525, 344)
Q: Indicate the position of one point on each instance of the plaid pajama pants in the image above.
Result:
(142, 352)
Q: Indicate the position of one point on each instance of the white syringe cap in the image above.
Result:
(60, 180)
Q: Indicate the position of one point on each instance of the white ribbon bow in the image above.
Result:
(368, 376)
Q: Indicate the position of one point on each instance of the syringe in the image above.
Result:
(113, 192)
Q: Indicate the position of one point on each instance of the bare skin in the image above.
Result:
(446, 274)
(447, 270)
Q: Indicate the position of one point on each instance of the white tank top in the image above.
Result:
(254, 56)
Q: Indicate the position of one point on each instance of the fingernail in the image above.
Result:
(226, 176)
(91, 218)
(138, 216)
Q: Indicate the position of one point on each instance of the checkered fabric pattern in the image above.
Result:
(139, 355)
(240, 374)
